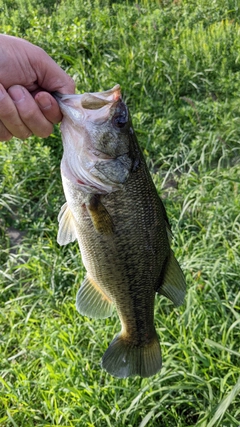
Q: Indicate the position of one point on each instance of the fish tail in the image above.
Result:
(124, 359)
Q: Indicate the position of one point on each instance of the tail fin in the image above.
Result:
(123, 359)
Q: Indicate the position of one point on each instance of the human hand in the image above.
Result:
(27, 75)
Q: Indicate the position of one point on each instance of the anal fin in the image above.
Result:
(173, 285)
(91, 301)
(66, 231)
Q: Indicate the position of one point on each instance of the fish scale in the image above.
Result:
(112, 208)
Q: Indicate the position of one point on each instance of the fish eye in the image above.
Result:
(119, 121)
(120, 117)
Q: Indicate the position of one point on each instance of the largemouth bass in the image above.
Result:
(112, 208)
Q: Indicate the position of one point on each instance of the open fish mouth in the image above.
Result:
(83, 106)
(94, 101)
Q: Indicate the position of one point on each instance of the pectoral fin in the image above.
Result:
(173, 285)
(100, 217)
(66, 231)
(92, 301)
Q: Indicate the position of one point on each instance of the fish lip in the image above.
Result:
(101, 99)
(93, 107)
(57, 95)
(115, 91)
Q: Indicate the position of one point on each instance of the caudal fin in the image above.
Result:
(123, 359)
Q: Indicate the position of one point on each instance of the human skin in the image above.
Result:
(27, 76)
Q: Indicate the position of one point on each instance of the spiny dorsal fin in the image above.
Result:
(173, 285)
(66, 231)
(92, 301)
(100, 217)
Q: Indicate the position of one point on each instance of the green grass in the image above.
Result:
(179, 67)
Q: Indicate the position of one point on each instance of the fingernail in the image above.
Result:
(17, 94)
(44, 104)
(2, 92)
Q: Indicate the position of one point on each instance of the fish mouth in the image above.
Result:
(94, 101)
(91, 106)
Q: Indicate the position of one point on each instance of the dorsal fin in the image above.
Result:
(173, 285)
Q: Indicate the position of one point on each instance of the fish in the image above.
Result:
(114, 211)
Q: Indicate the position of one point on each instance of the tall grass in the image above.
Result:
(179, 67)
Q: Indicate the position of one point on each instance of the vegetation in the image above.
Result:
(178, 63)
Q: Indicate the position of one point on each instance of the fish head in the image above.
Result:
(96, 132)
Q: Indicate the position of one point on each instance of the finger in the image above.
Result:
(5, 135)
(29, 112)
(49, 107)
(10, 118)
(49, 75)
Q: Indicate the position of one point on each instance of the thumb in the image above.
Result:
(50, 76)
